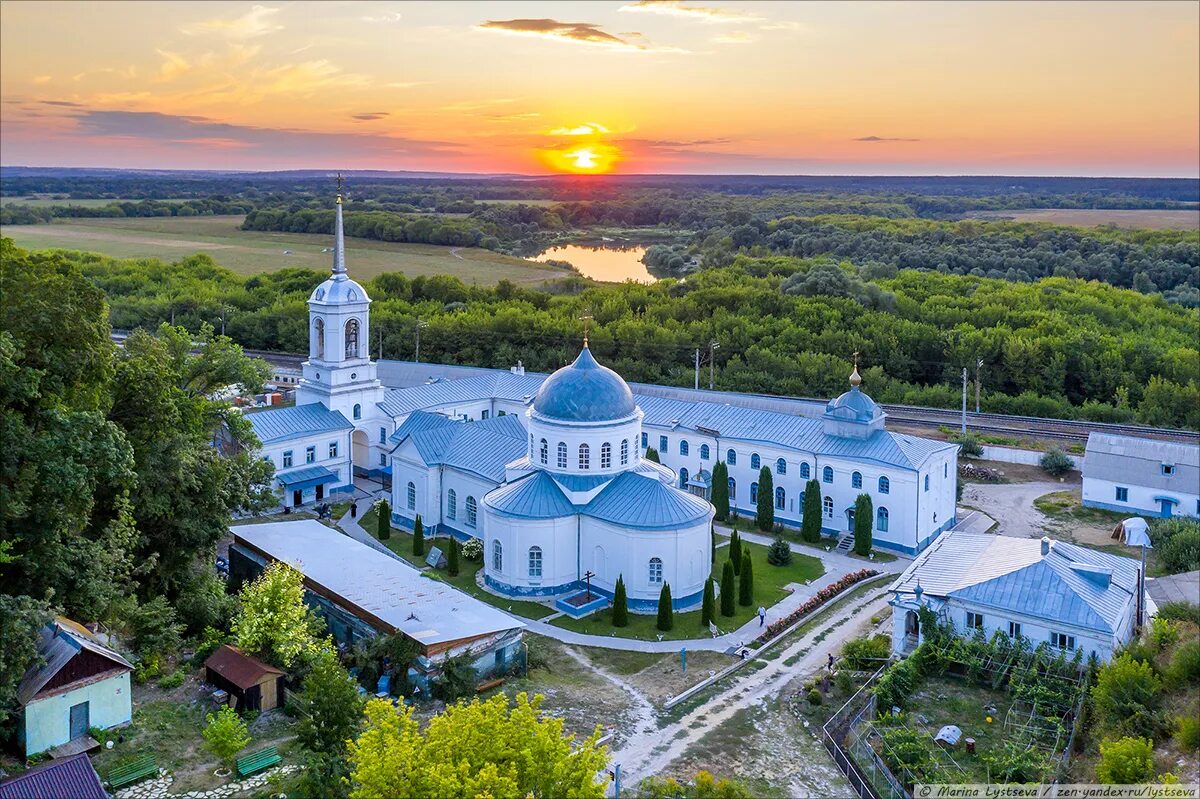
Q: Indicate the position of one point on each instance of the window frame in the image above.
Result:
(287, 459)
(472, 512)
(1014, 629)
(655, 571)
(310, 453)
(731, 457)
(452, 505)
(584, 457)
(535, 557)
(974, 620)
(1122, 493)
(411, 495)
(780, 466)
(884, 485)
(827, 475)
(856, 480)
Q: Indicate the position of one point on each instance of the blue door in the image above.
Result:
(1165, 507)
(80, 718)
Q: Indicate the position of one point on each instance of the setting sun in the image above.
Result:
(590, 158)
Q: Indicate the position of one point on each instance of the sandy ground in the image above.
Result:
(1011, 505)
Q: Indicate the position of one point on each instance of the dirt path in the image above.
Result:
(650, 750)
(1011, 504)
(645, 715)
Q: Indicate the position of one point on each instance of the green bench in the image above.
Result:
(131, 772)
(257, 761)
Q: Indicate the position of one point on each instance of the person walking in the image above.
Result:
(830, 665)
(354, 510)
(762, 615)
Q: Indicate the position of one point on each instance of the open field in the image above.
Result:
(1092, 217)
(248, 252)
(42, 201)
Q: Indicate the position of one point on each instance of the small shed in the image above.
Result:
(252, 684)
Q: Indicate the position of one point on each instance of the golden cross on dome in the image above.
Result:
(587, 317)
(855, 377)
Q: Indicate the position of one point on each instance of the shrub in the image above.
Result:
(458, 678)
(1056, 462)
(1017, 762)
(1185, 664)
(418, 537)
(746, 579)
(1162, 633)
(666, 612)
(473, 550)
(844, 682)
(1126, 696)
(383, 522)
(620, 612)
(1181, 552)
(1187, 733)
(779, 553)
(865, 654)
(173, 680)
(226, 734)
(651, 455)
(728, 600)
(1125, 761)
(1180, 611)
(814, 696)
(969, 445)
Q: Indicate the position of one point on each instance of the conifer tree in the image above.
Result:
(810, 525)
(666, 613)
(735, 546)
(651, 455)
(765, 515)
(383, 524)
(746, 580)
(728, 600)
(452, 558)
(864, 512)
(620, 613)
(779, 553)
(708, 610)
(712, 532)
(418, 537)
(720, 490)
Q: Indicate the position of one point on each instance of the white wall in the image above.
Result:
(1029, 457)
(1103, 493)
(340, 465)
(48, 721)
(1038, 630)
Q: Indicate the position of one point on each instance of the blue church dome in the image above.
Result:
(585, 391)
(853, 406)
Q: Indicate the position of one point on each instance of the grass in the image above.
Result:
(825, 545)
(768, 589)
(946, 700)
(1158, 219)
(251, 252)
(1067, 505)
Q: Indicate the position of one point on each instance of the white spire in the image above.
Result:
(339, 241)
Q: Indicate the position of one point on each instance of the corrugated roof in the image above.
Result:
(242, 669)
(497, 385)
(535, 496)
(1012, 574)
(634, 500)
(70, 778)
(306, 474)
(483, 448)
(418, 422)
(1139, 461)
(426, 610)
(58, 642)
(297, 421)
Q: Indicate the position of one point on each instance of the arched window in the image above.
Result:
(683, 478)
(497, 556)
(781, 466)
(624, 451)
(645, 440)
(319, 336)
(780, 497)
(753, 493)
(352, 338)
(535, 561)
(683, 447)
(472, 511)
(856, 480)
(451, 504)
(827, 474)
(881, 520)
(732, 489)
(704, 452)
(562, 455)
(585, 455)
(357, 411)
(926, 482)
(606, 455)
(827, 506)
(655, 571)
(755, 463)
(545, 452)
(412, 496)
(804, 472)
(731, 458)
(885, 485)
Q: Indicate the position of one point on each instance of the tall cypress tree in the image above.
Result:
(728, 600)
(712, 533)
(666, 613)
(418, 537)
(864, 512)
(746, 580)
(720, 490)
(708, 610)
(651, 455)
(383, 524)
(735, 547)
(452, 558)
(620, 613)
(810, 526)
(765, 515)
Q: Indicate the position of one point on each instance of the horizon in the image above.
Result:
(627, 87)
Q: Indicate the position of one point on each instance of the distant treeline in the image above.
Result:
(19, 214)
(1059, 347)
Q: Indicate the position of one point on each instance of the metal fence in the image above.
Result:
(863, 769)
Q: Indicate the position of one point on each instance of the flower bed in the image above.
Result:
(820, 598)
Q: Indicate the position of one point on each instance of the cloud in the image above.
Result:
(61, 103)
(676, 8)
(173, 65)
(387, 17)
(255, 22)
(408, 85)
(736, 37)
(369, 116)
(41, 79)
(882, 139)
(586, 129)
(579, 32)
(782, 25)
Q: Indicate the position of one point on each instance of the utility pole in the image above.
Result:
(712, 360)
(697, 384)
(978, 369)
(420, 325)
(964, 407)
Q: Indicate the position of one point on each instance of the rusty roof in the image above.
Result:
(241, 669)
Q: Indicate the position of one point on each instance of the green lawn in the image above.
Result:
(768, 589)
(825, 545)
(250, 252)
(1067, 505)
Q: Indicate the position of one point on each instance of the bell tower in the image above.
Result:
(339, 372)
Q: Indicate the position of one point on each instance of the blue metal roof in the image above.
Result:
(533, 497)
(482, 448)
(853, 406)
(582, 482)
(296, 422)
(585, 391)
(498, 385)
(634, 500)
(417, 422)
(306, 477)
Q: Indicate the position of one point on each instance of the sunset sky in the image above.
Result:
(712, 86)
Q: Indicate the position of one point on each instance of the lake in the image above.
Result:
(611, 264)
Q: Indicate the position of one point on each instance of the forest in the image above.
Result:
(1057, 346)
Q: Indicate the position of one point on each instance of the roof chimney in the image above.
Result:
(519, 369)
(1045, 545)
